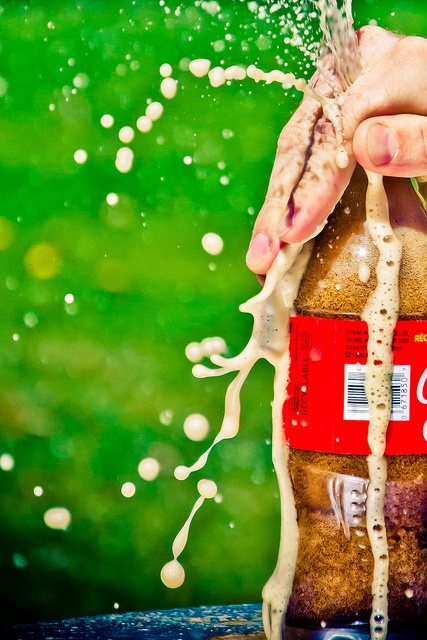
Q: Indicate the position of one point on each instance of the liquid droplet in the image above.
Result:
(207, 488)
(149, 469)
(181, 472)
(172, 574)
(196, 427)
(212, 243)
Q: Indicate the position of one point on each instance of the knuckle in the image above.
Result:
(296, 135)
(411, 50)
(407, 60)
(272, 211)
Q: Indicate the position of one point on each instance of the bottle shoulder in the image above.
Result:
(341, 273)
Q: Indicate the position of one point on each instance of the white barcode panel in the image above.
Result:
(355, 400)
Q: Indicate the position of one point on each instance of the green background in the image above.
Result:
(88, 389)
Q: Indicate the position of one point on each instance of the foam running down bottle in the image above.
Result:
(326, 418)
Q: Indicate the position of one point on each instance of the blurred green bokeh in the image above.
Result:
(93, 383)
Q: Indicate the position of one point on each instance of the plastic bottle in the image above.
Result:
(326, 423)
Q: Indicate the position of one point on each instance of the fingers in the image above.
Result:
(393, 145)
(277, 212)
(323, 183)
(305, 185)
(299, 191)
(320, 187)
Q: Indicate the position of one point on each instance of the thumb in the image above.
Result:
(393, 145)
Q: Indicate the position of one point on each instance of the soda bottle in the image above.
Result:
(326, 419)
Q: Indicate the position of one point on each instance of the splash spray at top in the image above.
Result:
(339, 39)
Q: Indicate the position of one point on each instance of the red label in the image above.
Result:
(327, 409)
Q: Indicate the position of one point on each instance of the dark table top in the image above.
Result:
(199, 623)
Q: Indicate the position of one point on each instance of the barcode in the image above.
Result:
(356, 403)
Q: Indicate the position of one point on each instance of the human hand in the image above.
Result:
(384, 115)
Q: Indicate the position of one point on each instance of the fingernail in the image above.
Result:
(382, 146)
(259, 249)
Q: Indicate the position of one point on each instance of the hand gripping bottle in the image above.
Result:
(326, 419)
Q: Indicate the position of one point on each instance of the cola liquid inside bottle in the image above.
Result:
(331, 596)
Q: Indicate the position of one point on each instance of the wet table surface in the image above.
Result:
(199, 623)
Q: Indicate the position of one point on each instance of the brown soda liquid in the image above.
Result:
(333, 578)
